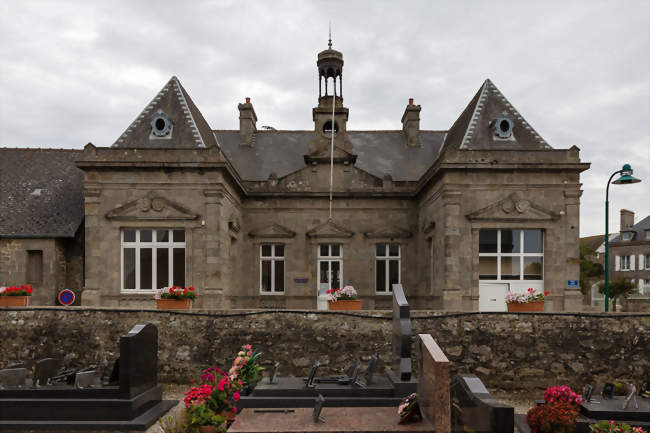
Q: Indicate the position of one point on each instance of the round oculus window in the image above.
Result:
(161, 125)
(502, 127)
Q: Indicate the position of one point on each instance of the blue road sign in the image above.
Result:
(573, 283)
(66, 297)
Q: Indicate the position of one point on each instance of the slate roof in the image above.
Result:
(379, 153)
(639, 230)
(472, 128)
(59, 208)
(592, 242)
(190, 127)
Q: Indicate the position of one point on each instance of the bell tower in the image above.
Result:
(330, 73)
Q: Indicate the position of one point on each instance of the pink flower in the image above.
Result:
(234, 410)
(236, 396)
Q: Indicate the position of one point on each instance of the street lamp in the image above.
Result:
(626, 177)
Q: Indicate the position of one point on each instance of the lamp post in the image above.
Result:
(626, 177)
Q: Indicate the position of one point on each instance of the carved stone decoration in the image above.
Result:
(329, 230)
(140, 209)
(508, 206)
(513, 208)
(272, 231)
(388, 232)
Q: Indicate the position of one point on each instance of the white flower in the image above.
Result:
(2, 289)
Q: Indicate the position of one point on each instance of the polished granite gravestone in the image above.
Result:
(434, 384)
(133, 405)
(337, 419)
(474, 409)
(371, 389)
(402, 337)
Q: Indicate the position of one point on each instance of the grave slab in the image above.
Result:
(434, 384)
(337, 419)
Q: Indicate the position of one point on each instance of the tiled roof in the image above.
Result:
(472, 129)
(378, 153)
(41, 193)
(639, 231)
(190, 127)
(592, 242)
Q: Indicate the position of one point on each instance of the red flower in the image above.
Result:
(184, 291)
(236, 396)
(546, 293)
(171, 290)
(234, 410)
(191, 288)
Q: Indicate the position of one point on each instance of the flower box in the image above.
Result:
(344, 305)
(173, 304)
(515, 307)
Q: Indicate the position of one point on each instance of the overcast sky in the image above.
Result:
(78, 71)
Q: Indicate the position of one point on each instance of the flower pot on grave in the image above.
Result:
(173, 304)
(346, 305)
(15, 301)
(514, 307)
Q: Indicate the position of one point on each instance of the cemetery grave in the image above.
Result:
(131, 399)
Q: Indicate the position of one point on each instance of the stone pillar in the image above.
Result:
(452, 291)
(572, 295)
(91, 294)
(211, 295)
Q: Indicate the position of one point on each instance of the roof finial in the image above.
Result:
(329, 42)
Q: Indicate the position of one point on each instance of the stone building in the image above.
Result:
(458, 216)
(630, 259)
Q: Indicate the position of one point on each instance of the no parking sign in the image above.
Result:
(66, 297)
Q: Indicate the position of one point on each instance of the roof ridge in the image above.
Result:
(311, 130)
(475, 115)
(144, 112)
(58, 149)
(180, 92)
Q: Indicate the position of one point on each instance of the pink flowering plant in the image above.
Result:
(176, 293)
(246, 366)
(562, 394)
(531, 295)
(210, 402)
(613, 427)
(347, 293)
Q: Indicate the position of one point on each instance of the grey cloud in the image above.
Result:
(73, 72)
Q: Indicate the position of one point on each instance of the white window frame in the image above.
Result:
(521, 255)
(153, 245)
(329, 258)
(273, 258)
(387, 259)
(626, 236)
(625, 263)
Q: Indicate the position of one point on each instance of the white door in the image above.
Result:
(492, 296)
(330, 272)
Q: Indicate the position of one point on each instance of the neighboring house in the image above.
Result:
(41, 222)
(593, 243)
(458, 216)
(630, 255)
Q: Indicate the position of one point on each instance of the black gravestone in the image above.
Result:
(474, 409)
(12, 377)
(139, 360)
(402, 335)
(44, 370)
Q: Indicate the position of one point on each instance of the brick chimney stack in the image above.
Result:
(247, 123)
(411, 123)
(627, 219)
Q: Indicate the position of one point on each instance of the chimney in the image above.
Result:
(247, 123)
(627, 219)
(411, 123)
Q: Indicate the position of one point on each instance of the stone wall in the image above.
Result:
(514, 352)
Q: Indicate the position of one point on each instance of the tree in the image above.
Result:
(588, 269)
(618, 287)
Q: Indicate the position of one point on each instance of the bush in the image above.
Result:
(552, 418)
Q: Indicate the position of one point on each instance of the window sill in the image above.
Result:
(272, 293)
(137, 292)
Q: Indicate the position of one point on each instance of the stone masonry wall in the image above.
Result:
(513, 352)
